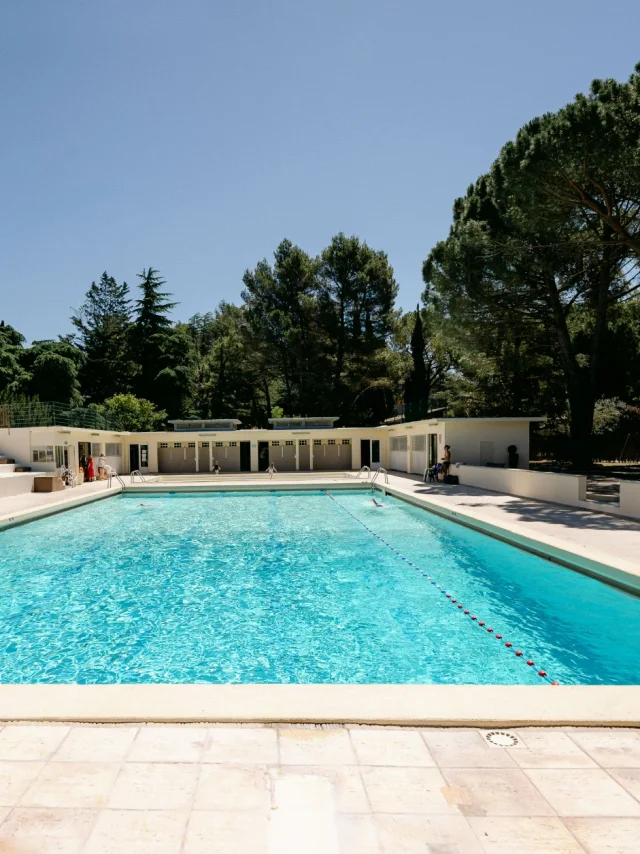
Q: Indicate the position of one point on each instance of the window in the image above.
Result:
(289, 442)
(60, 455)
(233, 444)
(303, 443)
(346, 441)
(317, 441)
(113, 449)
(204, 444)
(177, 444)
(219, 444)
(399, 443)
(164, 444)
(331, 441)
(95, 449)
(275, 444)
(42, 455)
(192, 444)
(418, 443)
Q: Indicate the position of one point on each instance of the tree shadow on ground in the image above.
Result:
(530, 510)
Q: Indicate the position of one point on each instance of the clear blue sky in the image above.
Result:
(194, 135)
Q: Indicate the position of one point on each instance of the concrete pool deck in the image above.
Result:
(295, 790)
(603, 545)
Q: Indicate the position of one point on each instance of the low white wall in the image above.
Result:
(16, 484)
(630, 498)
(544, 486)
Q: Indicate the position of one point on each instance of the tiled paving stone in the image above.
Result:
(346, 790)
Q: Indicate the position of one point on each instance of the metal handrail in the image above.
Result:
(140, 475)
(111, 473)
(375, 476)
(363, 469)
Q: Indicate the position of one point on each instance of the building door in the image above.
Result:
(263, 456)
(365, 452)
(134, 458)
(144, 458)
(245, 456)
(204, 454)
(375, 453)
(433, 449)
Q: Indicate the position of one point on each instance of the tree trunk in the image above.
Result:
(579, 392)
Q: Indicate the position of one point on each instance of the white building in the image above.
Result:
(304, 444)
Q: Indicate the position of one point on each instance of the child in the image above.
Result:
(272, 470)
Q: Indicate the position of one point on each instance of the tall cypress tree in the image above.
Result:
(416, 386)
(152, 337)
(102, 325)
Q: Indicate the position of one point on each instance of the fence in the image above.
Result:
(52, 414)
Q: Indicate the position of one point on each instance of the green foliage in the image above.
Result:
(541, 257)
(54, 371)
(103, 323)
(132, 413)
(13, 377)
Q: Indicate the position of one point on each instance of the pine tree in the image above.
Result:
(159, 375)
(103, 324)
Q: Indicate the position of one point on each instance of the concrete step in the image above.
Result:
(7, 468)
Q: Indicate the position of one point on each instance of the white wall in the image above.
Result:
(15, 445)
(466, 438)
(630, 498)
(543, 486)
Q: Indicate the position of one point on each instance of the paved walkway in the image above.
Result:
(345, 790)
(612, 540)
(15, 505)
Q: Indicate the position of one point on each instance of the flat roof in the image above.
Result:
(310, 421)
(507, 418)
(190, 424)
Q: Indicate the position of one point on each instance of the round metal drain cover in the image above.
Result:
(501, 739)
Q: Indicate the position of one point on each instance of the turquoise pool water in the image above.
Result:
(291, 587)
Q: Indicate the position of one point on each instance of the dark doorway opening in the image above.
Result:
(263, 456)
(433, 449)
(134, 458)
(245, 456)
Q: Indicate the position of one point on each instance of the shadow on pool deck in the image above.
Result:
(530, 510)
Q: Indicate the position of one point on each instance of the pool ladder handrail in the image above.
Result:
(377, 472)
(111, 473)
(140, 475)
(363, 469)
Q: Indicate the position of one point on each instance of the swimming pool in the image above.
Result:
(291, 587)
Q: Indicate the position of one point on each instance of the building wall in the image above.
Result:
(478, 442)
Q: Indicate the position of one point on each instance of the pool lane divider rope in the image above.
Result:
(448, 596)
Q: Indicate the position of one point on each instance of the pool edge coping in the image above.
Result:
(388, 705)
(612, 575)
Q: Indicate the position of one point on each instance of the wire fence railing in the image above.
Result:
(53, 414)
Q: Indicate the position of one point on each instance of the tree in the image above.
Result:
(520, 257)
(54, 370)
(357, 295)
(416, 388)
(160, 349)
(13, 376)
(103, 324)
(133, 413)
(282, 312)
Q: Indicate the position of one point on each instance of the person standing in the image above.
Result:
(102, 467)
(90, 471)
(446, 461)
